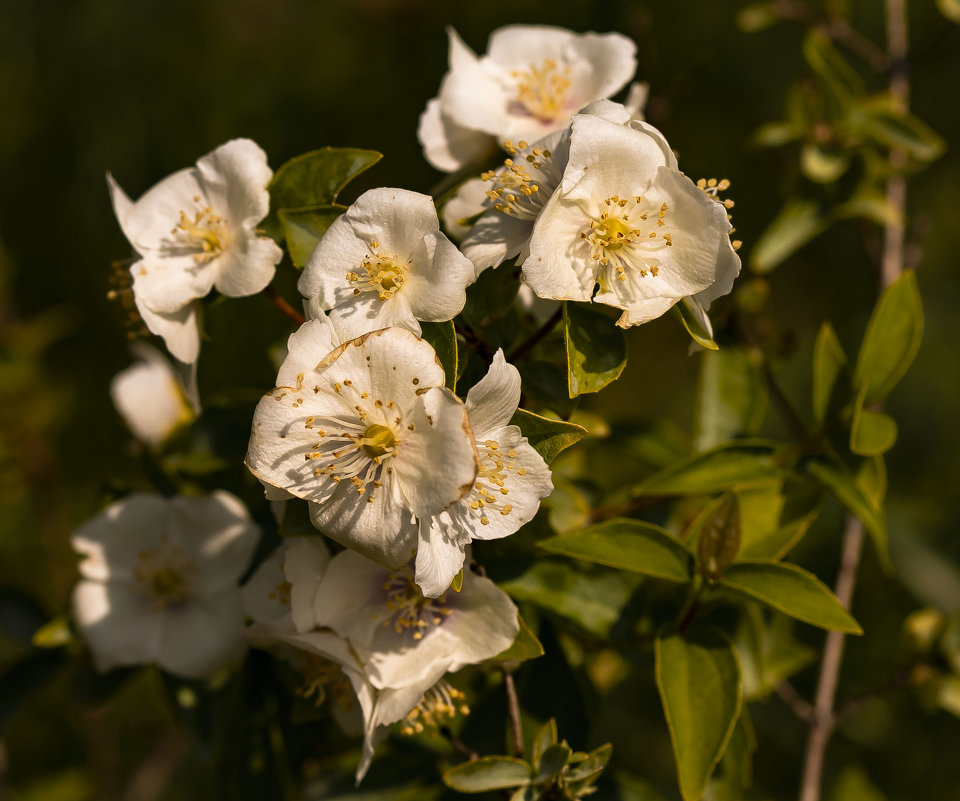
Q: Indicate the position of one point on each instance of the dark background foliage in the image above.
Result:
(142, 89)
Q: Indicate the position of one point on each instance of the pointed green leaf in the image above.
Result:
(699, 683)
(694, 326)
(798, 222)
(314, 179)
(731, 397)
(627, 545)
(303, 229)
(889, 125)
(892, 339)
(719, 539)
(488, 773)
(838, 481)
(828, 363)
(768, 651)
(591, 767)
(554, 759)
(793, 591)
(871, 479)
(830, 66)
(596, 349)
(545, 737)
(822, 166)
(547, 436)
(443, 338)
(742, 463)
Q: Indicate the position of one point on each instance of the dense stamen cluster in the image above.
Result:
(164, 576)
(121, 289)
(439, 705)
(206, 233)
(542, 90)
(625, 232)
(489, 493)
(382, 274)
(409, 609)
(515, 191)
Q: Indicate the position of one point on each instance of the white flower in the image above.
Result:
(159, 582)
(626, 218)
(196, 231)
(385, 263)
(531, 80)
(510, 198)
(506, 494)
(368, 434)
(151, 397)
(407, 642)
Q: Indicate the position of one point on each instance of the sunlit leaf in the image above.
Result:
(793, 591)
(524, 646)
(744, 463)
(822, 166)
(699, 682)
(719, 539)
(547, 436)
(884, 122)
(731, 397)
(694, 326)
(892, 339)
(303, 229)
(828, 363)
(798, 222)
(873, 433)
(596, 349)
(627, 545)
(488, 773)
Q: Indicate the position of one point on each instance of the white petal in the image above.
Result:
(203, 635)
(439, 275)
(467, 203)
(436, 462)
(397, 219)
(248, 266)
(559, 266)
(237, 173)
(180, 330)
(350, 599)
(636, 101)
(304, 565)
(495, 238)
(147, 222)
(117, 626)
(484, 622)
(446, 145)
(728, 268)
(360, 314)
(494, 399)
(339, 251)
(439, 559)
(265, 599)
(217, 534)
(165, 284)
(306, 347)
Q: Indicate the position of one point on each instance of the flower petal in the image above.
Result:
(306, 347)
(436, 287)
(495, 238)
(248, 266)
(203, 635)
(180, 330)
(237, 174)
(304, 565)
(446, 145)
(440, 556)
(117, 626)
(494, 399)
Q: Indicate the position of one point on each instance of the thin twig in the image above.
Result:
(471, 338)
(271, 294)
(534, 339)
(513, 711)
(797, 703)
(457, 743)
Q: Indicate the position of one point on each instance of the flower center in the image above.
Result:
(409, 610)
(542, 90)
(625, 234)
(206, 233)
(439, 705)
(321, 678)
(514, 190)
(489, 493)
(164, 576)
(377, 441)
(381, 273)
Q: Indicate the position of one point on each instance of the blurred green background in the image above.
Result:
(142, 89)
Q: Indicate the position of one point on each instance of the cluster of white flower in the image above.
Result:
(361, 425)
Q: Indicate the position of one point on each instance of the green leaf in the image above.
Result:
(589, 595)
(457, 584)
(54, 634)
(853, 784)
(731, 397)
(743, 463)
(764, 534)
(554, 759)
(768, 651)
(793, 591)
(547, 436)
(831, 67)
(596, 349)
(873, 433)
(545, 385)
(488, 773)
(491, 295)
(821, 166)
(545, 737)
(798, 222)
(871, 478)
(950, 9)
(755, 17)
(628, 545)
(737, 762)
(592, 766)
(828, 363)
(314, 179)
(892, 339)
(844, 487)
(691, 322)
(569, 507)
(443, 338)
(524, 646)
(889, 125)
(303, 229)
(699, 683)
(719, 539)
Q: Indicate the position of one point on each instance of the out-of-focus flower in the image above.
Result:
(369, 435)
(196, 231)
(151, 397)
(385, 263)
(532, 79)
(626, 218)
(506, 494)
(159, 582)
